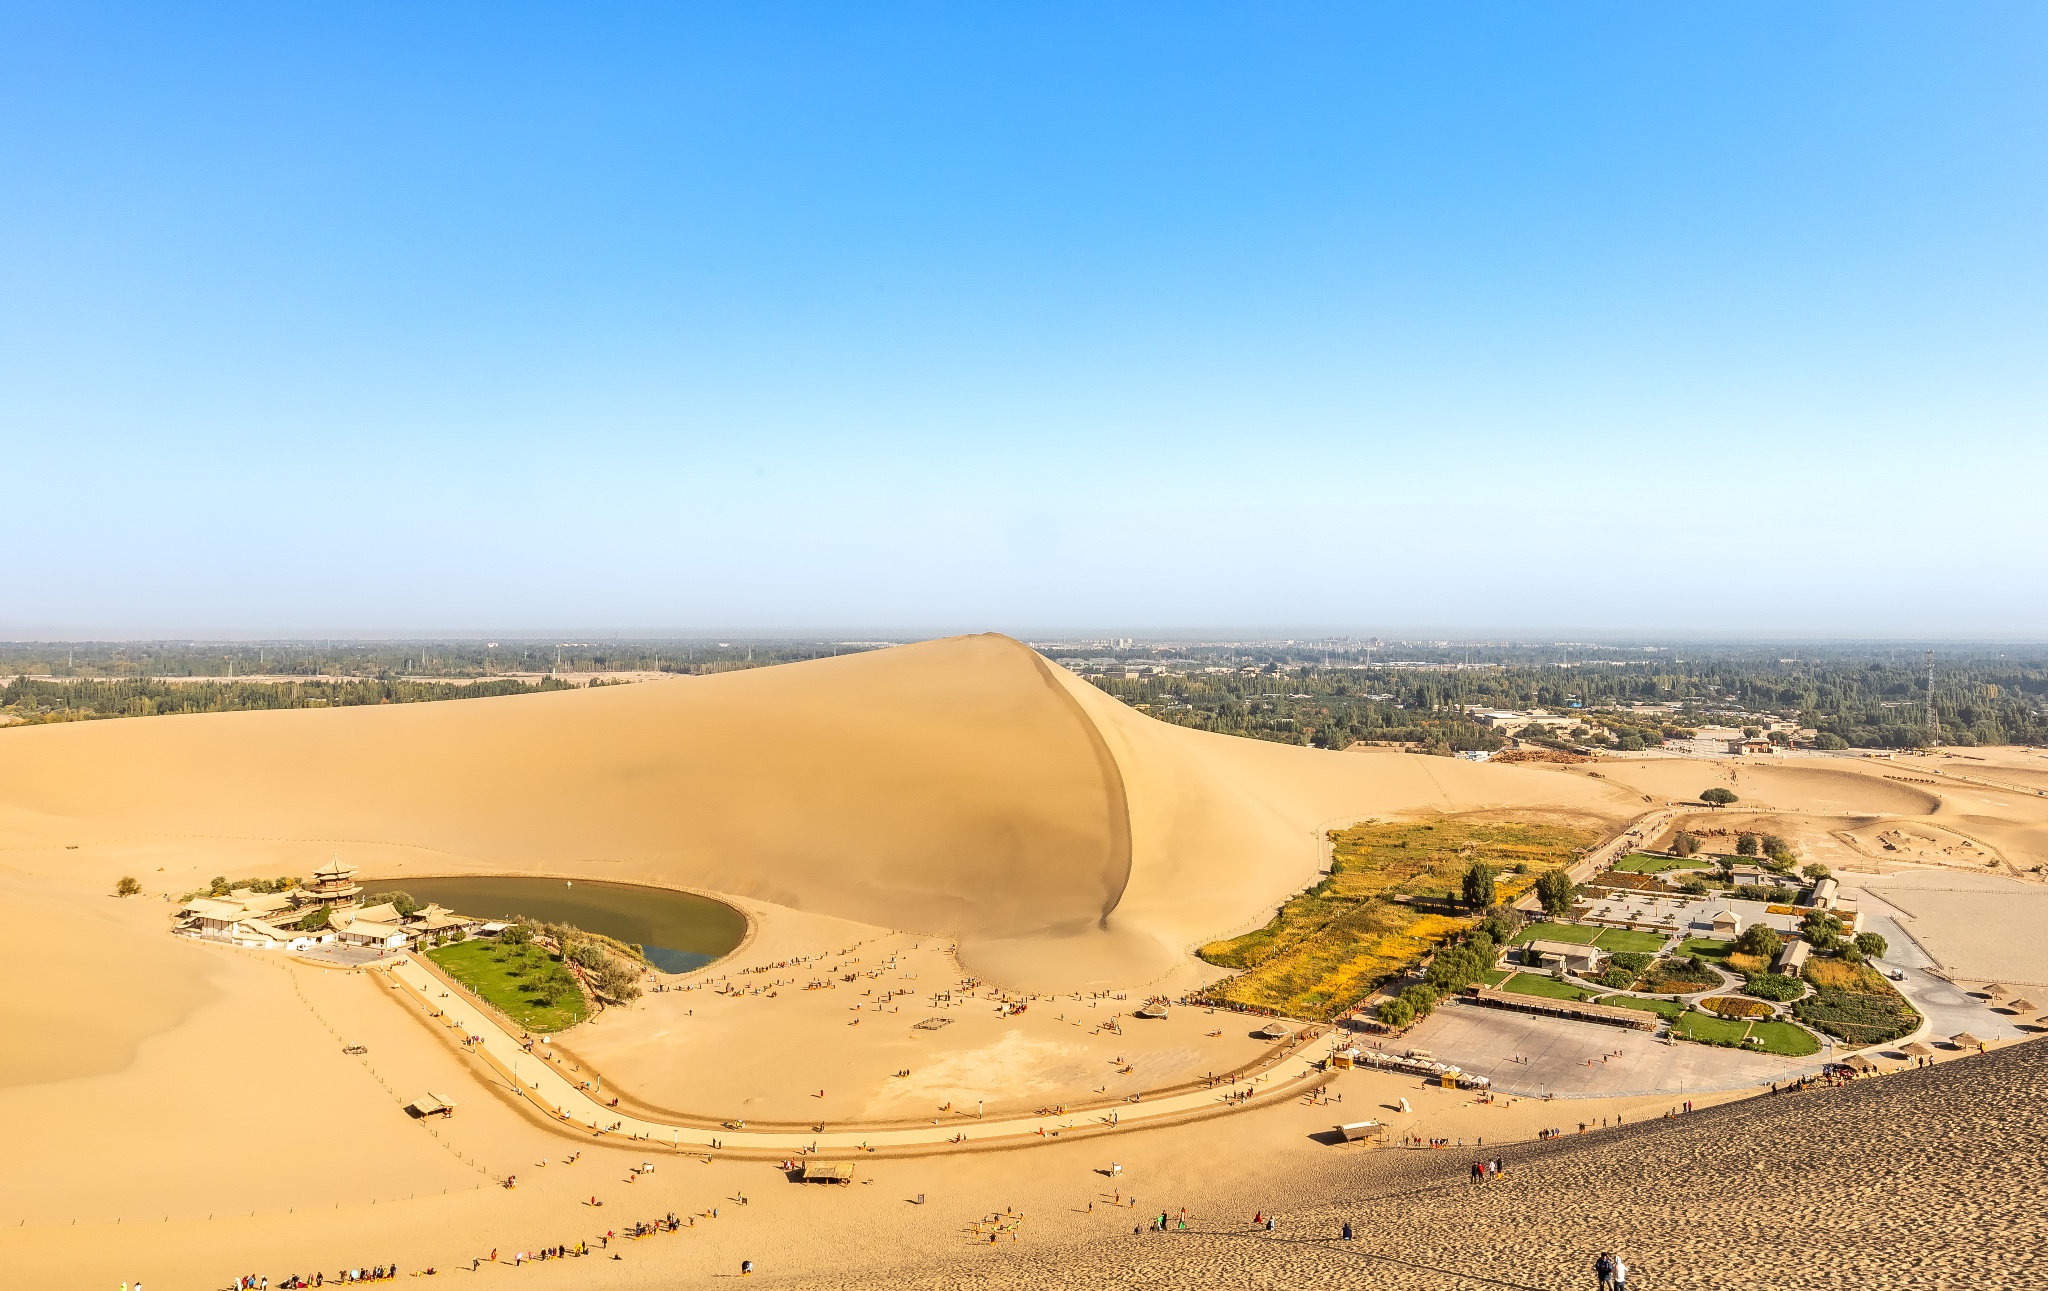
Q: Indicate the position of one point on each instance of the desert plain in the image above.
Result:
(955, 826)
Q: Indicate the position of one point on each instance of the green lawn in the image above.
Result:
(1707, 947)
(501, 975)
(1642, 864)
(1663, 1008)
(1642, 943)
(1574, 932)
(1783, 1038)
(1547, 987)
(1709, 1029)
(1495, 976)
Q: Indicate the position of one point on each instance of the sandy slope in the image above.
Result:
(959, 787)
(962, 787)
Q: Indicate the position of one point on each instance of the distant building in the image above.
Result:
(1792, 958)
(1572, 956)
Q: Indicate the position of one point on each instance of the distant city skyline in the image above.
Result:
(1676, 322)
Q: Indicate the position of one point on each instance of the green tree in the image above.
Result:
(1872, 944)
(1555, 889)
(1748, 845)
(129, 886)
(1758, 939)
(1718, 797)
(1479, 893)
(1685, 844)
(316, 920)
(1816, 871)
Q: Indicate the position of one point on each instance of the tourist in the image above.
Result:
(1620, 1273)
(1603, 1269)
(746, 1268)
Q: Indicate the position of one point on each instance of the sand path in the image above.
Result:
(540, 1080)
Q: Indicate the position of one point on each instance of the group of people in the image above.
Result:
(1613, 1274)
(1484, 1170)
(377, 1273)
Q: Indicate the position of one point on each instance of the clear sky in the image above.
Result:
(1728, 318)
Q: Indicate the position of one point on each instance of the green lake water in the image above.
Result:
(678, 930)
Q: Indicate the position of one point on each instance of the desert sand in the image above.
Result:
(961, 809)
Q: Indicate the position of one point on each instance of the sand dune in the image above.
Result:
(964, 787)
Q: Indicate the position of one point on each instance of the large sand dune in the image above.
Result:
(963, 787)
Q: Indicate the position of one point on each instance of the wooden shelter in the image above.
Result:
(1916, 1050)
(828, 1172)
(1964, 1040)
(1273, 1031)
(431, 1104)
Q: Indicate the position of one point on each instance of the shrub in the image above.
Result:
(1718, 797)
(1617, 977)
(128, 886)
(1774, 986)
(518, 934)
(1634, 961)
(1694, 885)
(316, 920)
(1685, 844)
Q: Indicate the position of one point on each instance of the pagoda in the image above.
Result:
(332, 884)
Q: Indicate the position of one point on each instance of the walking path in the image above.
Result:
(540, 1080)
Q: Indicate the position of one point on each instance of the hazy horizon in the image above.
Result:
(1646, 321)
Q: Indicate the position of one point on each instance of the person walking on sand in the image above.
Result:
(1620, 1274)
(1603, 1269)
(746, 1268)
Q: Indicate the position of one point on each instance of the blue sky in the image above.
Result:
(1677, 318)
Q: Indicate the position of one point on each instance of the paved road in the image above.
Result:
(549, 1087)
(1579, 1060)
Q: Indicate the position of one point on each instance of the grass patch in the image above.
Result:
(1494, 977)
(1784, 1039)
(1643, 864)
(1577, 933)
(1715, 948)
(1547, 987)
(508, 978)
(1631, 941)
(1336, 943)
(1708, 1029)
(1662, 1008)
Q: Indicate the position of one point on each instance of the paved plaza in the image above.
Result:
(1534, 1056)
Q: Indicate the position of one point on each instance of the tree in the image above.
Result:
(1871, 944)
(1816, 871)
(1555, 889)
(1758, 939)
(1479, 885)
(1499, 924)
(315, 921)
(1685, 844)
(1773, 844)
(1718, 797)
(127, 887)
(1748, 845)
(400, 901)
